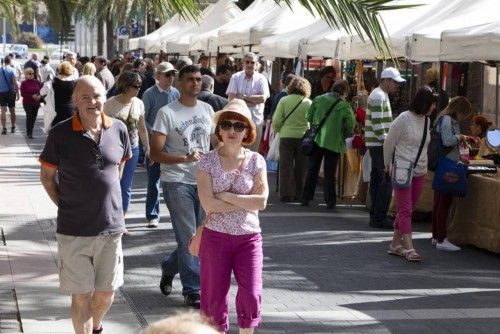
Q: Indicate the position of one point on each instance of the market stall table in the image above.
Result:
(475, 219)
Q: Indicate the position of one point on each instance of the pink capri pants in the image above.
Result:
(406, 199)
(221, 254)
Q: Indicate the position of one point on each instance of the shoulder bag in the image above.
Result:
(402, 171)
(11, 89)
(308, 145)
(450, 177)
(274, 148)
(194, 244)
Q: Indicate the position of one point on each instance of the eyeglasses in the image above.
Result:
(237, 126)
(136, 86)
(169, 74)
(99, 158)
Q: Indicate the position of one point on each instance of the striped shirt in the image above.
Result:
(378, 117)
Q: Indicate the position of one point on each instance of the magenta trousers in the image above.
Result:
(221, 254)
(406, 199)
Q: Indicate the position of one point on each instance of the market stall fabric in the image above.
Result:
(151, 43)
(265, 19)
(424, 38)
(288, 45)
(481, 42)
(219, 14)
(475, 219)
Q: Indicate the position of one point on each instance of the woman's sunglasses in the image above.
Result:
(237, 126)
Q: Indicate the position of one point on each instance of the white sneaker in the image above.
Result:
(153, 223)
(447, 246)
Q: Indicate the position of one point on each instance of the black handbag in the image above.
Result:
(308, 145)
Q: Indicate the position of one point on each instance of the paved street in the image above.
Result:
(324, 271)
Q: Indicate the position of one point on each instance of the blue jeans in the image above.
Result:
(186, 214)
(128, 178)
(153, 192)
(380, 186)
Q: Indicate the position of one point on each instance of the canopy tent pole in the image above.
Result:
(496, 96)
(440, 79)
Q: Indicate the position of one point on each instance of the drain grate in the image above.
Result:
(140, 318)
(10, 319)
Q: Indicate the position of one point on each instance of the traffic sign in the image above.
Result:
(122, 32)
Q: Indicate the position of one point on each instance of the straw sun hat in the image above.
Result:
(239, 107)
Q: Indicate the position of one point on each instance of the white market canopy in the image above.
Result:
(262, 19)
(424, 38)
(288, 45)
(151, 43)
(481, 42)
(215, 16)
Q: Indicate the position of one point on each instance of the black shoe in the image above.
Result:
(4, 131)
(30, 136)
(13, 129)
(166, 284)
(330, 206)
(286, 199)
(97, 331)
(304, 202)
(192, 300)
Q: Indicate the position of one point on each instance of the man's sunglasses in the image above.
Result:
(99, 159)
(237, 126)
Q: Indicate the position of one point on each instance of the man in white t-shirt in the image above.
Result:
(182, 133)
(252, 87)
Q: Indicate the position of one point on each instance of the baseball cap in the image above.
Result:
(165, 67)
(392, 73)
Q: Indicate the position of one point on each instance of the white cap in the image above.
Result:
(165, 67)
(392, 73)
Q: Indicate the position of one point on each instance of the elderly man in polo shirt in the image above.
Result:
(154, 99)
(252, 87)
(87, 152)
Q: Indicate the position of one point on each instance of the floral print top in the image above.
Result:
(242, 221)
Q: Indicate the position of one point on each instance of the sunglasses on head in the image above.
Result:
(237, 126)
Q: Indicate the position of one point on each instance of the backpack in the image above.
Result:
(436, 149)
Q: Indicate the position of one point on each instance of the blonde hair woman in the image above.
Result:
(89, 69)
(289, 120)
(63, 86)
(447, 125)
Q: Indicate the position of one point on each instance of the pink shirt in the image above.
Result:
(242, 221)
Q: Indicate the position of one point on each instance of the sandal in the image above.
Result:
(411, 255)
(399, 250)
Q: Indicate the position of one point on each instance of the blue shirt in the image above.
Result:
(153, 100)
(9, 74)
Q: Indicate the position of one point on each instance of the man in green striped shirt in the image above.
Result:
(378, 121)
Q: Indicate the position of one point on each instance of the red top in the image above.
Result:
(28, 88)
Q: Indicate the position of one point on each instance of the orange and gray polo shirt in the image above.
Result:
(90, 200)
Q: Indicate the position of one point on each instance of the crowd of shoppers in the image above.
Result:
(200, 149)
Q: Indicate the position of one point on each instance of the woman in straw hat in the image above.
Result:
(232, 186)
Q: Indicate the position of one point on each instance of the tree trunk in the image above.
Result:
(100, 37)
(110, 36)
